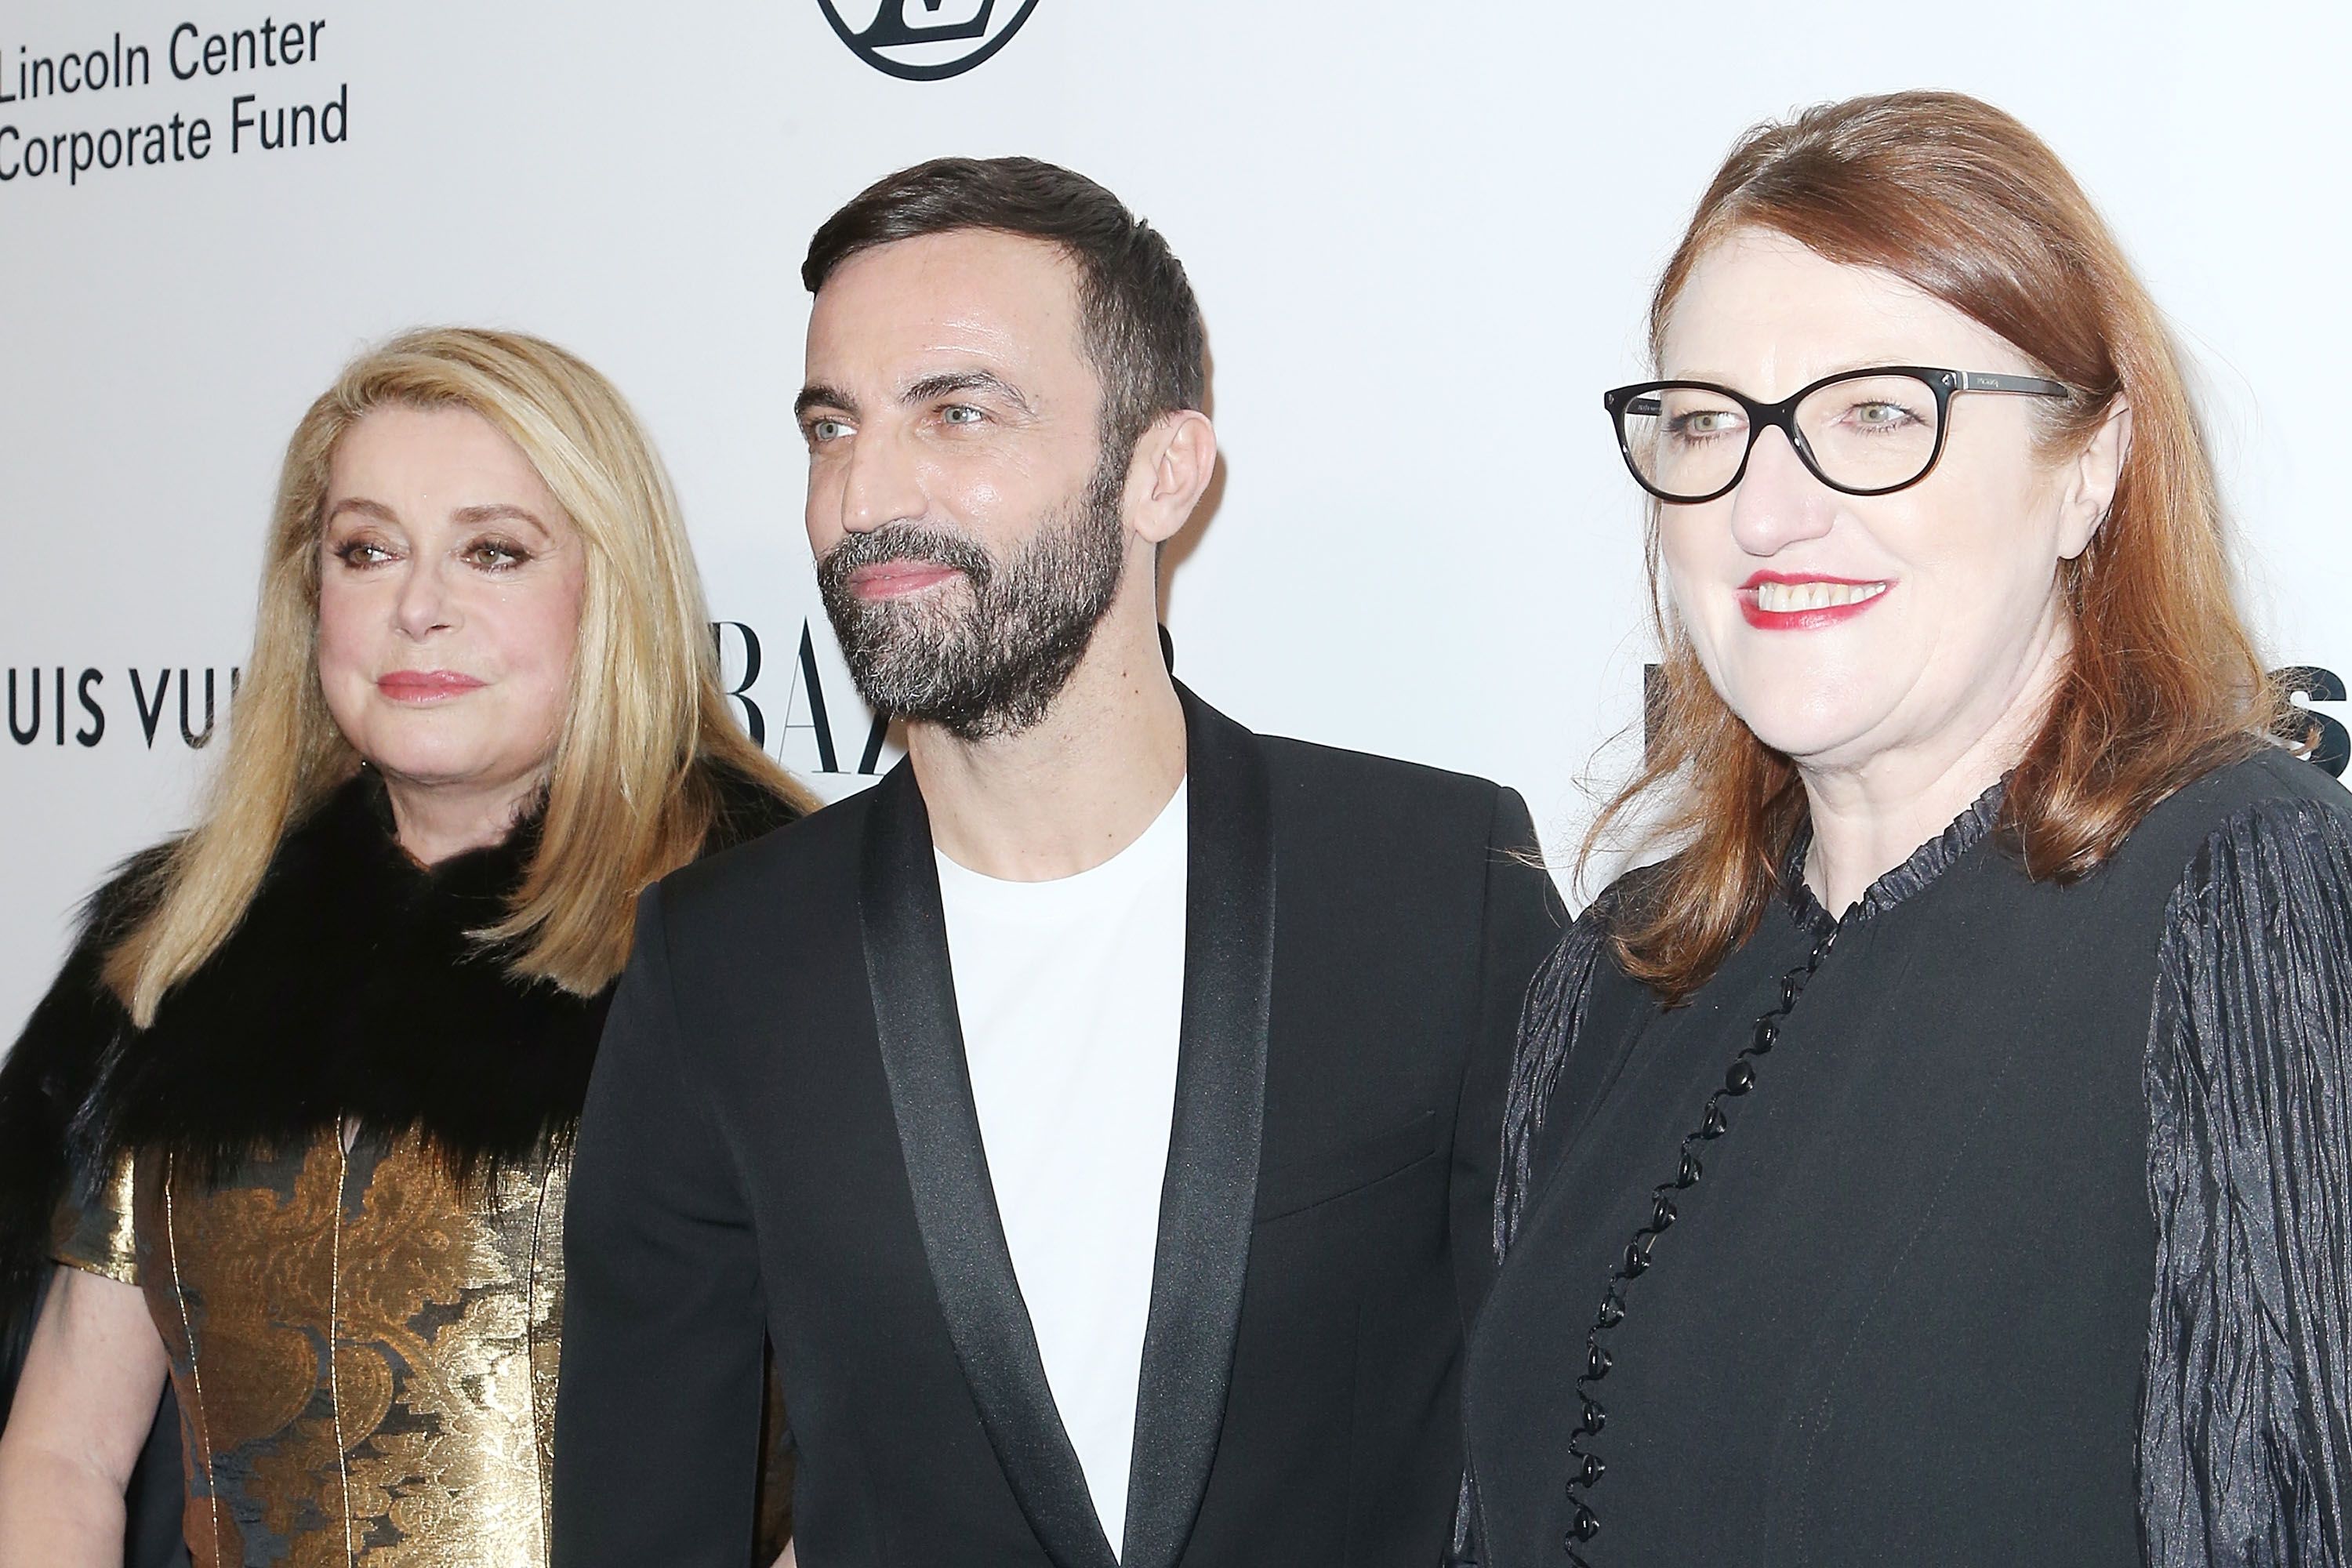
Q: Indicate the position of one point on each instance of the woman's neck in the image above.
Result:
(1870, 816)
(432, 822)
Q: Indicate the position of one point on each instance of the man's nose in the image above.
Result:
(882, 486)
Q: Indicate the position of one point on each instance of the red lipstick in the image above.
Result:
(423, 685)
(1804, 602)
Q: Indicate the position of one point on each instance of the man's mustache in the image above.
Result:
(907, 541)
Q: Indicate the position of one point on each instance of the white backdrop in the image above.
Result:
(1422, 235)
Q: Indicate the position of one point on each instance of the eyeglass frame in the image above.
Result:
(1782, 416)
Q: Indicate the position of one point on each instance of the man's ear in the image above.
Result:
(2091, 485)
(1174, 459)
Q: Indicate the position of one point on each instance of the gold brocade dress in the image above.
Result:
(364, 1350)
(336, 1165)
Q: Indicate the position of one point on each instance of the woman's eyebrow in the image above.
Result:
(366, 508)
(499, 512)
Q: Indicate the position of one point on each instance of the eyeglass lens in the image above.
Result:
(1865, 433)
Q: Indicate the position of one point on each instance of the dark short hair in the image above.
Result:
(1138, 322)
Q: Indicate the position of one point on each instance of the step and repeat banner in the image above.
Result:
(1423, 234)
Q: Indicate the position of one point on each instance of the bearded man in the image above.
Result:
(1099, 1116)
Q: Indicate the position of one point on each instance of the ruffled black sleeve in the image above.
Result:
(2245, 1438)
(1549, 1021)
(1548, 1024)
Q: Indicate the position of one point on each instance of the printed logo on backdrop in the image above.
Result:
(101, 103)
(49, 702)
(805, 714)
(926, 40)
(796, 702)
(2306, 686)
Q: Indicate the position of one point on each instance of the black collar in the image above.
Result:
(1927, 863)
(1207, 1200)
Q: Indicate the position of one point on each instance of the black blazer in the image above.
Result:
(781, 1135)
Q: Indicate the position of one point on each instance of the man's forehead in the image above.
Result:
(962, 254)
(968, 290)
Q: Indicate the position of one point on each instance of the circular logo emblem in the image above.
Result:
(926, 40)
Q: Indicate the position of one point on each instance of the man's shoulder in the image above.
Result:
(1339, 779)
(812, 861)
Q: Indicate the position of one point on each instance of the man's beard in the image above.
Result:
(990, 663)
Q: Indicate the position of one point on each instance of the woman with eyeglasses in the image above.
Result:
(1943, 1154)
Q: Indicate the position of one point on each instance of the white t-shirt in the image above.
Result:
(1071, 996)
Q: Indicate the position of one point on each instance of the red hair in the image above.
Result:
(2162, 681)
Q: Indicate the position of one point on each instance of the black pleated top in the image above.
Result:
(2026, 1238)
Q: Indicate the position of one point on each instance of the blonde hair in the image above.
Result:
(2162, 681)
(630, 794)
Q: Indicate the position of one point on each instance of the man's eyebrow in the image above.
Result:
(816, 395)
(947, 382)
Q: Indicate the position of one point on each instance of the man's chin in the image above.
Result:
(930, 617)
(898, 682)
(902, 690)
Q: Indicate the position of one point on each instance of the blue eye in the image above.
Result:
(962, 414)
(826, 430)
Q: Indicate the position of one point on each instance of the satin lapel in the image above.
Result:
(955, 1206)
(1209, 1197)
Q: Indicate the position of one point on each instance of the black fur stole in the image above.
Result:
(352, 988)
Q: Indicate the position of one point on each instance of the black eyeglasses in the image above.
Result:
(1865, 431)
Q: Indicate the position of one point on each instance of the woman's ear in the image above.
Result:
(1174, 460)
(2091, 481)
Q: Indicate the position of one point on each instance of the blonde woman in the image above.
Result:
(301, 1099)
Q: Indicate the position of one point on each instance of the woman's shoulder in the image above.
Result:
(2258, 808)
(1631, 895)
(2256, 858)
(126, 896)
(50, 1070)
(79, 1003)
(745, 807)
(1579, 992)
(1582, 984)
(2273, 781)
(1635, 886)
(2272, 776)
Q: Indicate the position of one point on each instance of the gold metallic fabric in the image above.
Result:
(364, 1352)
(98, 1236)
